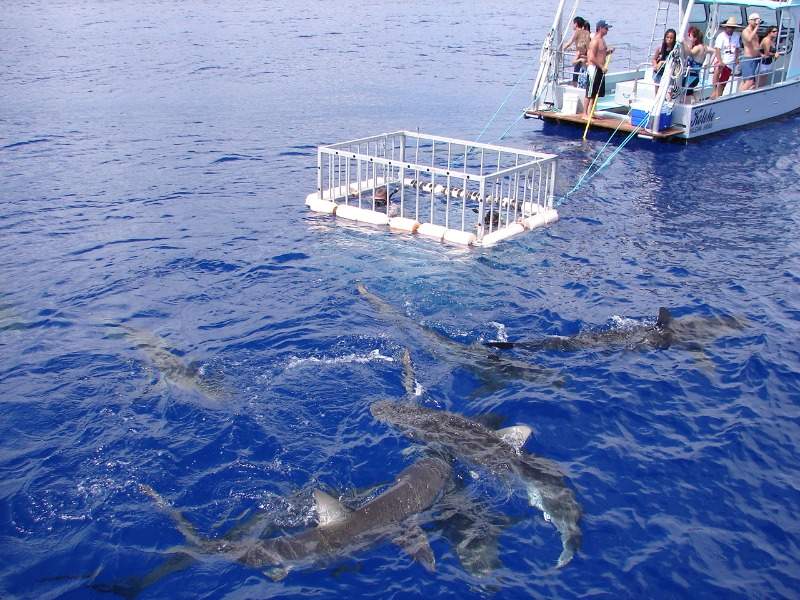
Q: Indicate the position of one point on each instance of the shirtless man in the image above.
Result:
(752, 53)
(596, 59)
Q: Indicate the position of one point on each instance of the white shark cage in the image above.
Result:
(442, 188)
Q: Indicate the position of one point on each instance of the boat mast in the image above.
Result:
(673, 60)
(544, 86)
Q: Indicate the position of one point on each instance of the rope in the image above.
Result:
(584, 179)
(497, 112)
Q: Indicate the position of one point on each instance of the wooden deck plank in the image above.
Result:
(603, 123)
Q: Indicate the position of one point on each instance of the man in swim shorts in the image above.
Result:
(752, 53)
(596, 59)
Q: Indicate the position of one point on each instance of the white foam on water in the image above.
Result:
(502, 333)
(619, 322)
(373, 356)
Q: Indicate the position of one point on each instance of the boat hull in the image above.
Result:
(737, 110)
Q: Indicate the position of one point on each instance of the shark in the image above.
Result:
(499, 451)
(492, 369)
(172, 368)
(667, 332)
(396, 515)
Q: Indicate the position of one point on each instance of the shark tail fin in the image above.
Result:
(664, 318)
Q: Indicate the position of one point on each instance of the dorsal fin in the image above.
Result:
(329, 510)
(664, 318)
(515, 436)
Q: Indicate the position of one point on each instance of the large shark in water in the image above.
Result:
(498, 451)
(393, 515)
(494, 371)
(687, 333)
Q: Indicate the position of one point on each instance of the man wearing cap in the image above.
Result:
(727, 42)
(752, 52)
(596, 60)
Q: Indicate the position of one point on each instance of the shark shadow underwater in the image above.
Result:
(491, 368)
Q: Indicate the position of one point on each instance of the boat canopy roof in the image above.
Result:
(770, 4)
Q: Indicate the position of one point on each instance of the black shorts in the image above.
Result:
(597, 84)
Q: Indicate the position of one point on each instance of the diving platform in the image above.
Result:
(446, 189)
(604, 121)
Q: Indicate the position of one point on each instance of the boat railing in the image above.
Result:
(704, 89)
(566, 68)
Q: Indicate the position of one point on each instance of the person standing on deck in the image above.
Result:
(752, 53)
(769, 52)
(580, 39)
(596, 58)
(727, 42)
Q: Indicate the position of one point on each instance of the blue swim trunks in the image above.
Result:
(750, 68)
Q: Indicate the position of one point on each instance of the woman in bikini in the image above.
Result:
(695, 54)
(660, 57)
(580, 40)
(769, 52)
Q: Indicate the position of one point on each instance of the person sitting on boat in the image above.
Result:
(727, 42)
(695, 54)
(769, 52)
(580, 39)
(659, 60)
(752, 53)
(597, 57)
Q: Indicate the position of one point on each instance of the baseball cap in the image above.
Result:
(601, 24)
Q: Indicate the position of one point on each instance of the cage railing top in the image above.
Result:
(413, 135)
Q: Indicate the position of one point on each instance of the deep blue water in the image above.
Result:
(154, 159)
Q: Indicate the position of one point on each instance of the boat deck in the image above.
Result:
(603, 123)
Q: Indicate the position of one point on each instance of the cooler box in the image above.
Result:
(639, 116)
(572, 102)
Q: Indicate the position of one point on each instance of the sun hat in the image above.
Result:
(731, 22)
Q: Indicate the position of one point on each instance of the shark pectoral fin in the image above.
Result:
(409, 380)
(277, 573)
(570, 542)
(329, 509)
(500, 345)
(414, 542)
(184, 526)
(515, 436)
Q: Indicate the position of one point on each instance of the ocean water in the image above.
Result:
(154, 159)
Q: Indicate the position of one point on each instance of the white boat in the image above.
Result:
(634, 103)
